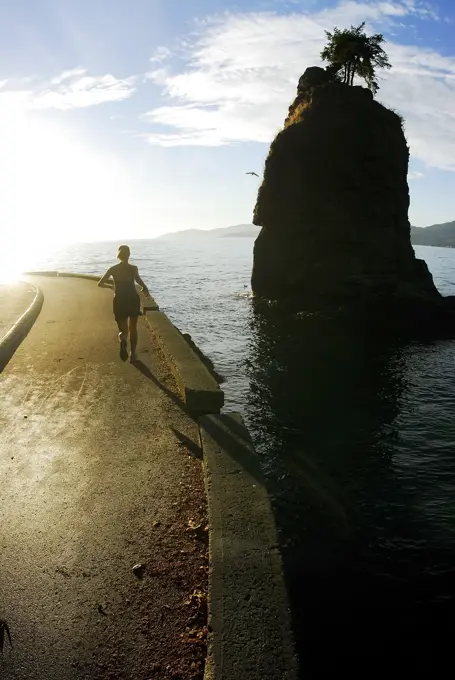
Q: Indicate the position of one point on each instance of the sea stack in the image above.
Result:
(333, 207)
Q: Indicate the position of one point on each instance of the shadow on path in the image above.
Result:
(148, 374)
(192, 447)
(232, 437)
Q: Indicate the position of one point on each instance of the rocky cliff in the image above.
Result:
(333, 206)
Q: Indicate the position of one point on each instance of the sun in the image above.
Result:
(17, 258)
(56, 188)
(9, 275)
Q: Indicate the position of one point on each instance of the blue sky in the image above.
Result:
(129, 119)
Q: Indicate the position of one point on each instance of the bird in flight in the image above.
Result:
(252, 173)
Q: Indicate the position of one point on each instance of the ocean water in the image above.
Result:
(357, 439)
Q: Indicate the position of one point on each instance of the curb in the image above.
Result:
(43, 273)
(72, 275)
(148, 304)
(250, 632)
(11, 341)
(198, 388)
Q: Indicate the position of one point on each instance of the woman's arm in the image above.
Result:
(137, 278)
(103, 280)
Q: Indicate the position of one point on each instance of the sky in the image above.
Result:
(123, 120)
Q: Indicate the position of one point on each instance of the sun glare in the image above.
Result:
(17, 257)
(8, 274)
(54, 191)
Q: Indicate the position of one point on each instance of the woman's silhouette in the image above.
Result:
(127, 305)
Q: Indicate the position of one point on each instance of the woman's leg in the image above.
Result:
(123, 337)
(133, 335)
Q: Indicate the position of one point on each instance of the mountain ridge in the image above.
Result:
(235, 231)
(439, 235)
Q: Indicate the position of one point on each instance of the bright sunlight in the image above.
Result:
(54, 191)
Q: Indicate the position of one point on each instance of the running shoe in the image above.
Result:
(123, 347)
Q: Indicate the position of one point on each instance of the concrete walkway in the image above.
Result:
(89, 460)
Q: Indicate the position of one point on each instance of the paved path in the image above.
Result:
(14, 300)
(88, 461)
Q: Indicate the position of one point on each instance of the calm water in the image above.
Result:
(357, 438)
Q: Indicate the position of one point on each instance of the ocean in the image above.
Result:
(357, 439)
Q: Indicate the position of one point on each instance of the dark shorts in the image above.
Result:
(124, 307)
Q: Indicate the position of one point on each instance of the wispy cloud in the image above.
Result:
(69, 90)
(76, 89)
(241, 70)
(161, 53)
(69, 75)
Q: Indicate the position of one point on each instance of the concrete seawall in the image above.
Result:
(16, 334)
(199, 389)
(250, 635)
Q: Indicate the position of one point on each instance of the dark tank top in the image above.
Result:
(124, 285)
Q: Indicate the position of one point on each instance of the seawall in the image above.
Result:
(249, 624)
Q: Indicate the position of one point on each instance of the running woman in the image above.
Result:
(126, 304)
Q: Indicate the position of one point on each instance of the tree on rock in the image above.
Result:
(351, 52)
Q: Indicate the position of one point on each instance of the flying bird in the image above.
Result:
(252, 173)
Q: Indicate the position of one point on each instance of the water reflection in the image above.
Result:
(365, 564)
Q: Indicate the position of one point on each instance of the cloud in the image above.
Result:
(205, 138)
(208, 124)
(415, 175)
(240, 74)
(75, 89)
(159, 76)
(68, 75)
(161, 53)
(69, 90)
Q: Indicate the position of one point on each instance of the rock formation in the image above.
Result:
(333, 207)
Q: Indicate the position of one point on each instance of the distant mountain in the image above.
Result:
(442, 235)
(237, 231)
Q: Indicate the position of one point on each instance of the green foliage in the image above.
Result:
(402, 120)
(351, 52)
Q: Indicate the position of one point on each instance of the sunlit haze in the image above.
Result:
(122, 121)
